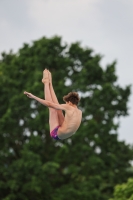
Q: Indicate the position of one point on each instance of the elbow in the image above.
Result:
(50, 105)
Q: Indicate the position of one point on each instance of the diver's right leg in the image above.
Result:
(55, 100)
(53, 115)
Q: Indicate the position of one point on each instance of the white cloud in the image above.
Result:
(70, 17)
(57, 10)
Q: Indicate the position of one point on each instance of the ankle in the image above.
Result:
(45, 80)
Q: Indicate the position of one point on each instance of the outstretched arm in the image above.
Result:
(47, 103)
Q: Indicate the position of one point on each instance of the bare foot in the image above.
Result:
(45, 76)
(50, 77)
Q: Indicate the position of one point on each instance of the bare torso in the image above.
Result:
(73, 117)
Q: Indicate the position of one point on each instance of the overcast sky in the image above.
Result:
(106, 26)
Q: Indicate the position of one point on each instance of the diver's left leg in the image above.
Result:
(53, 116)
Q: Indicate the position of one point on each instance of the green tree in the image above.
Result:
(85, 166)
(124, 191)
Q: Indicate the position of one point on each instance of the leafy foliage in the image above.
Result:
(124, 191)
(85, 166)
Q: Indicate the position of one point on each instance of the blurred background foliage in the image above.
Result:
(86, 166)
(124, 191)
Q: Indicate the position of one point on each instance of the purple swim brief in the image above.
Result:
(54, 133)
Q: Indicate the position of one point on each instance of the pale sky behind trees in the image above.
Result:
(106, 26)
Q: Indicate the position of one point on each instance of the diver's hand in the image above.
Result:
(29, 95)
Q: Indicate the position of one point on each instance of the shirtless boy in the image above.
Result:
(60, 127)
